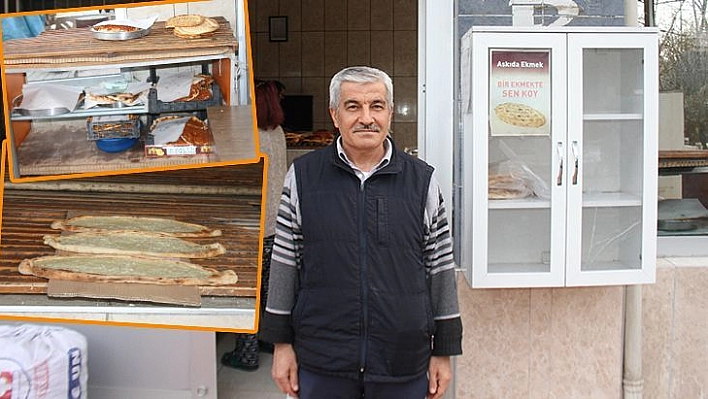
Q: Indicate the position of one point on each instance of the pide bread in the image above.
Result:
(292, 138)
(184, 20)
(505, 193)
(114, 28)
(196, 132)
(113, 126)
(117, 223)
(106, 250)
(162, 119)
(124, 269)
(128, 99)
(200, 89)
(519, 115)
(206, 28)
(318, 138)
(505, 186)
(133, 243)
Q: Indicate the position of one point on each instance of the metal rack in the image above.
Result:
(75, 50)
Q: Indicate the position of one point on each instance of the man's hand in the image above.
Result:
(439, 374)
(284, 370)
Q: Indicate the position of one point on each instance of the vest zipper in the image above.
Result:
(363, 279)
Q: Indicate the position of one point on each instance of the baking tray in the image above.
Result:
(37, 112)
(119, 35)
(116, 104)
(677, 215)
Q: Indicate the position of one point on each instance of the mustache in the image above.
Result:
(372, 127)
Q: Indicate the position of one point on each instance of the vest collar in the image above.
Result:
(389, 164)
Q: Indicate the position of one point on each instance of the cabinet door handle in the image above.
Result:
(576, 160)
(559, 178)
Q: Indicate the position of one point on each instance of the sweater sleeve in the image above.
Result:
(285, 259)
(441, 267)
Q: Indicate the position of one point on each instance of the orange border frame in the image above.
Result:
(7, 162)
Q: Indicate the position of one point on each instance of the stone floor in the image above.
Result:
(239, 384)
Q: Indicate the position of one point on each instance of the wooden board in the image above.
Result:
(176, 295)
(77, 47)
(28, 214)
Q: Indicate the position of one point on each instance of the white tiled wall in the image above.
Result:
(325, 36)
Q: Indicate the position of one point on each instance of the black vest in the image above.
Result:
(364, 302)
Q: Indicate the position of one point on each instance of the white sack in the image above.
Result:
(42, 362)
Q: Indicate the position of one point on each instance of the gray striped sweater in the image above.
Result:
(287, 249)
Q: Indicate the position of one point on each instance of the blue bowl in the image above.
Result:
(116, 145)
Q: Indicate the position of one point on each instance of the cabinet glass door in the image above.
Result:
(519, 120)
(610, 128)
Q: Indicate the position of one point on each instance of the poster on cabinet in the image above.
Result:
(519, 92)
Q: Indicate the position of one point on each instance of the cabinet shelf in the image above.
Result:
(523, 203)
(500, 268)
(613, 117)
(590, 200)
(41, 154)
(602, 200)
(608, 266)
(85, 113)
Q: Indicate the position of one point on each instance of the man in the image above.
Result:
(362, 299)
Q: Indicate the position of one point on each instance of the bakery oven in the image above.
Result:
(297, 109)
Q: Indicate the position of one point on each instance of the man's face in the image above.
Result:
(363, 115)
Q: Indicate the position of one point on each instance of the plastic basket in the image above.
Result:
(113, 127)
(156, 106)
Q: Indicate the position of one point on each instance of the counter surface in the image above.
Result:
(77, 47)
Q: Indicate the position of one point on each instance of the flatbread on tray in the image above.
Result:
(132, 243)
(162, 226)
(124, 269)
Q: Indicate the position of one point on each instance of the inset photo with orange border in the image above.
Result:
(133, 180)
(128, 88)
(176, 248)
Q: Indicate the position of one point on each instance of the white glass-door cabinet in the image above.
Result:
(559, 165)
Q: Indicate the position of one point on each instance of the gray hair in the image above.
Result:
(358, 74)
